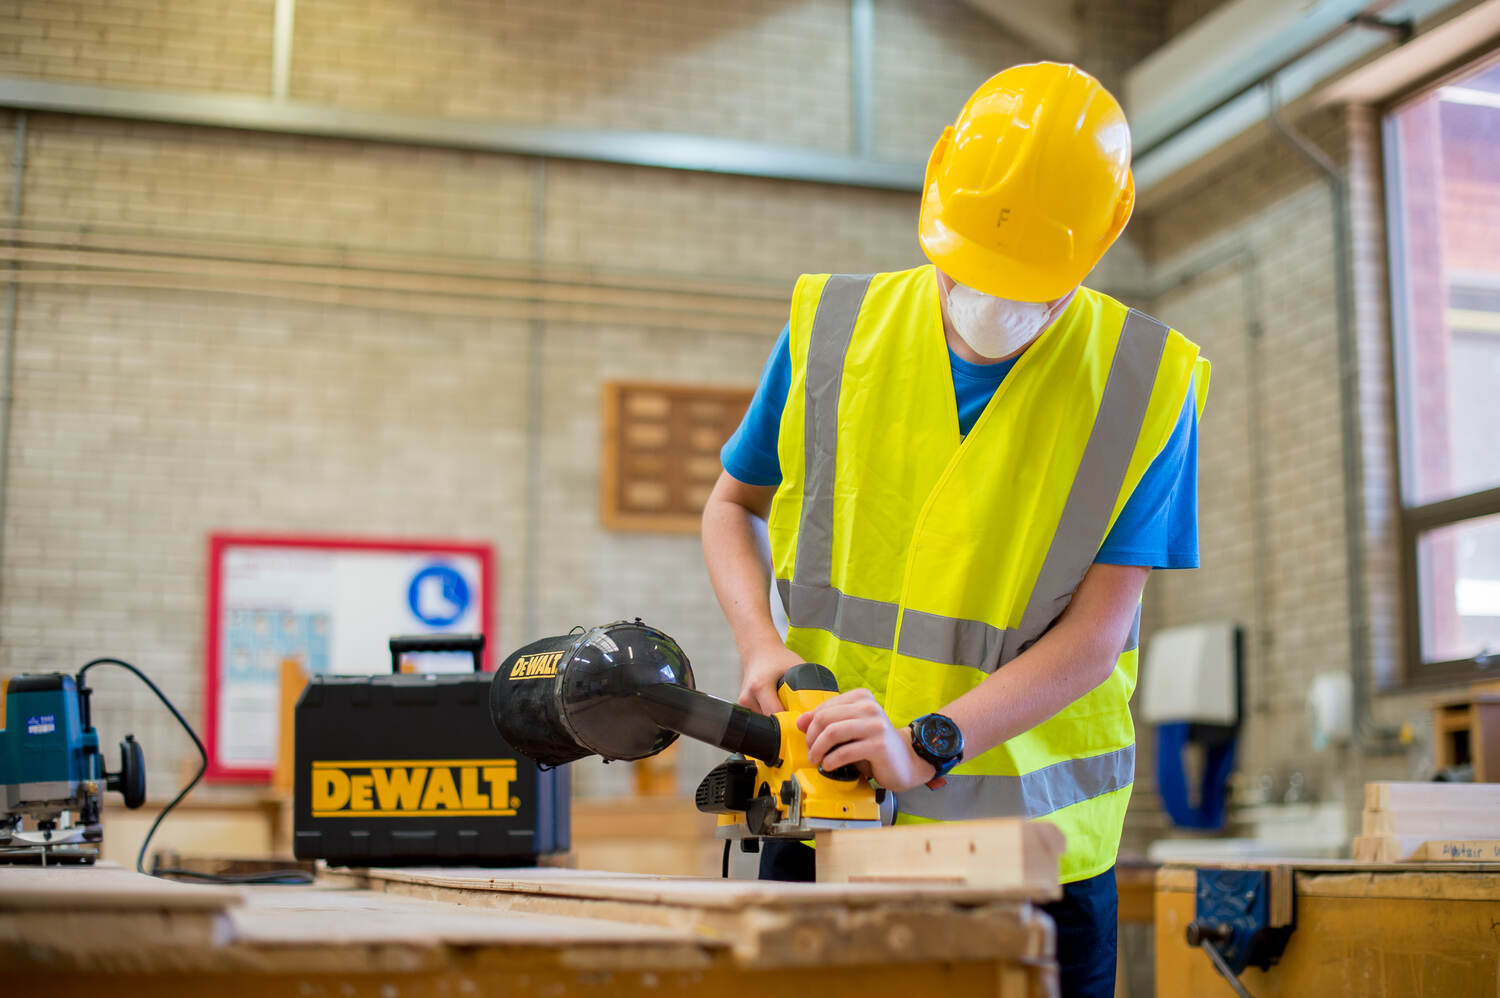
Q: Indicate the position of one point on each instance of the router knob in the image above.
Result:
(130, 781)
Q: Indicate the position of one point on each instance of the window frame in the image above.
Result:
(1415, 520)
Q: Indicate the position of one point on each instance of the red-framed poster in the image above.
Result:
(331, 604)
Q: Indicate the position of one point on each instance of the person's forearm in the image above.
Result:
(739, 569)
(1070, 660)
(1040, 682)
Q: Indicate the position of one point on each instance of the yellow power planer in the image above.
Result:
(789, 796)
(625, 691)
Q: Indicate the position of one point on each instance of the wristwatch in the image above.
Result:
(937, 740)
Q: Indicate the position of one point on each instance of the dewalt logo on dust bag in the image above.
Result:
(542, 665)
(416, 788)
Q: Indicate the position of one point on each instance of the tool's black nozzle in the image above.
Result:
(718, 722)
(622, 691)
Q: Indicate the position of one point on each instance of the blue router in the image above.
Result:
(52, 775)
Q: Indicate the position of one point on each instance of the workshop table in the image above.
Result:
(1361, 930)
(402, 933)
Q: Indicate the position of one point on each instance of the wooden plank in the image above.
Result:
(690, 892)
(1475, 882)
(523, 972)
(1484, 737)
(1448, 823)
(1281, 901)
(765, 923)
(340, 917)
(1174, 870)
(1384, 849)
(1437, 885)
(291, 681)
(106, 886)
(1431, 796)
(1397, 848)
(1004, 854)
(1463, 850)
(104, 913)
(341, 940)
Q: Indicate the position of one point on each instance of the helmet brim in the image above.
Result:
(986, 269)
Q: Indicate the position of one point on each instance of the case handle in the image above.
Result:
(403, 643)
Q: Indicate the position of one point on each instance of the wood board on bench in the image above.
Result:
(541, 931)
(765, 923)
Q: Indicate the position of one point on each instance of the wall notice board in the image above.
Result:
(331, 604)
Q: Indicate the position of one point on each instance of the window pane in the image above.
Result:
(1459, 571)
(1447, 194)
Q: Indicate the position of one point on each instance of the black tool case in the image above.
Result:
(409, 770)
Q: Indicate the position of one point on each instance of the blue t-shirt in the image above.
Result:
(1158, 527)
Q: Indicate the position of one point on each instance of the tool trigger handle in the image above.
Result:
(847, 773)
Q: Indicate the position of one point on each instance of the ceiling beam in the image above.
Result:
(657, 149)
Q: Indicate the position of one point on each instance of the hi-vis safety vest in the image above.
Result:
(915, 563)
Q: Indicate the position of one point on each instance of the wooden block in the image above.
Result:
(1420, 848)
(1448, 823)
(1380, 848)
(1282, 906)
(293, 680)
(1461, 850)
(1431, 796)
(1000, 853)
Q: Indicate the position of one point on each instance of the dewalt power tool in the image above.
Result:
(625, 691)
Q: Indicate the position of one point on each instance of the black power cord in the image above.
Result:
(265, 877)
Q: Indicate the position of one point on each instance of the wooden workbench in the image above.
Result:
(1388, 930)
(452, 933)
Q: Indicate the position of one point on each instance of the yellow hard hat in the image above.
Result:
(1029, 187)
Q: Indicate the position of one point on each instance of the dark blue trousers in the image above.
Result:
(1087, 918)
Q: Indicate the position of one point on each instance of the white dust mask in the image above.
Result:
(995, 327)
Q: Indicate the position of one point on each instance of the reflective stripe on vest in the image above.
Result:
(810, 599)
(1030, 795)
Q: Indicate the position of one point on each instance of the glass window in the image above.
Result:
(1459, 569)
(1443, 181)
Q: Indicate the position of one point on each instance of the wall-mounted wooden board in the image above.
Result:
(661, 451)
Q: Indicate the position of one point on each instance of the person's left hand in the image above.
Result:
(851, 727)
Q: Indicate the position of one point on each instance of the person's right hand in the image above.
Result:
(760, 674)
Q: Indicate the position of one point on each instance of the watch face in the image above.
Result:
(940, 736)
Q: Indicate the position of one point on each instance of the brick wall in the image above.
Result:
(774, 71)
(695, 223)
(220, 45)
(928, 58)
(274, 188)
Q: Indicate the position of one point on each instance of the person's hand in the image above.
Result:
(851, 727)
(760, 674)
